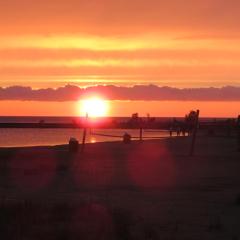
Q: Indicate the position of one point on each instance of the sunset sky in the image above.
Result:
(175, 43)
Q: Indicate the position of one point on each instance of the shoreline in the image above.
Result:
(165, 139)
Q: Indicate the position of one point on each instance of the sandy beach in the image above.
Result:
(148, 190)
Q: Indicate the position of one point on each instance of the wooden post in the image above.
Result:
(84, 133)
(140, 125)
(194, 134)
(141, 133)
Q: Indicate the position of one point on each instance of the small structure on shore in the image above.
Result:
(127, 138)
(73, 145)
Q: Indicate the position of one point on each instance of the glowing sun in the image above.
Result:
(94, 107)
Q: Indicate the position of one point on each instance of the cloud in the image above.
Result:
(111, 92)
(108, 17)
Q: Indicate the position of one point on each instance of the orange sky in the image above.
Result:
(122, 108)
(175, 43)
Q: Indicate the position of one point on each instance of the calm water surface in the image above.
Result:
(10, 137)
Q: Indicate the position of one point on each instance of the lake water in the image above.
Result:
(10, 137)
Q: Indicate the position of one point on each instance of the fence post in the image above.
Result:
(141, 133)
(84, 133)
(194, 134)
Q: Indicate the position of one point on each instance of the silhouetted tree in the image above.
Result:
(135, 117)
(135, 120)
(190, 120)
(150, 121)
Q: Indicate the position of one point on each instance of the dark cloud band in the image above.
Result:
(111, 92)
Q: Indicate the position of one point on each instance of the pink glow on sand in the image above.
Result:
(93, 171)
(151, 166)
